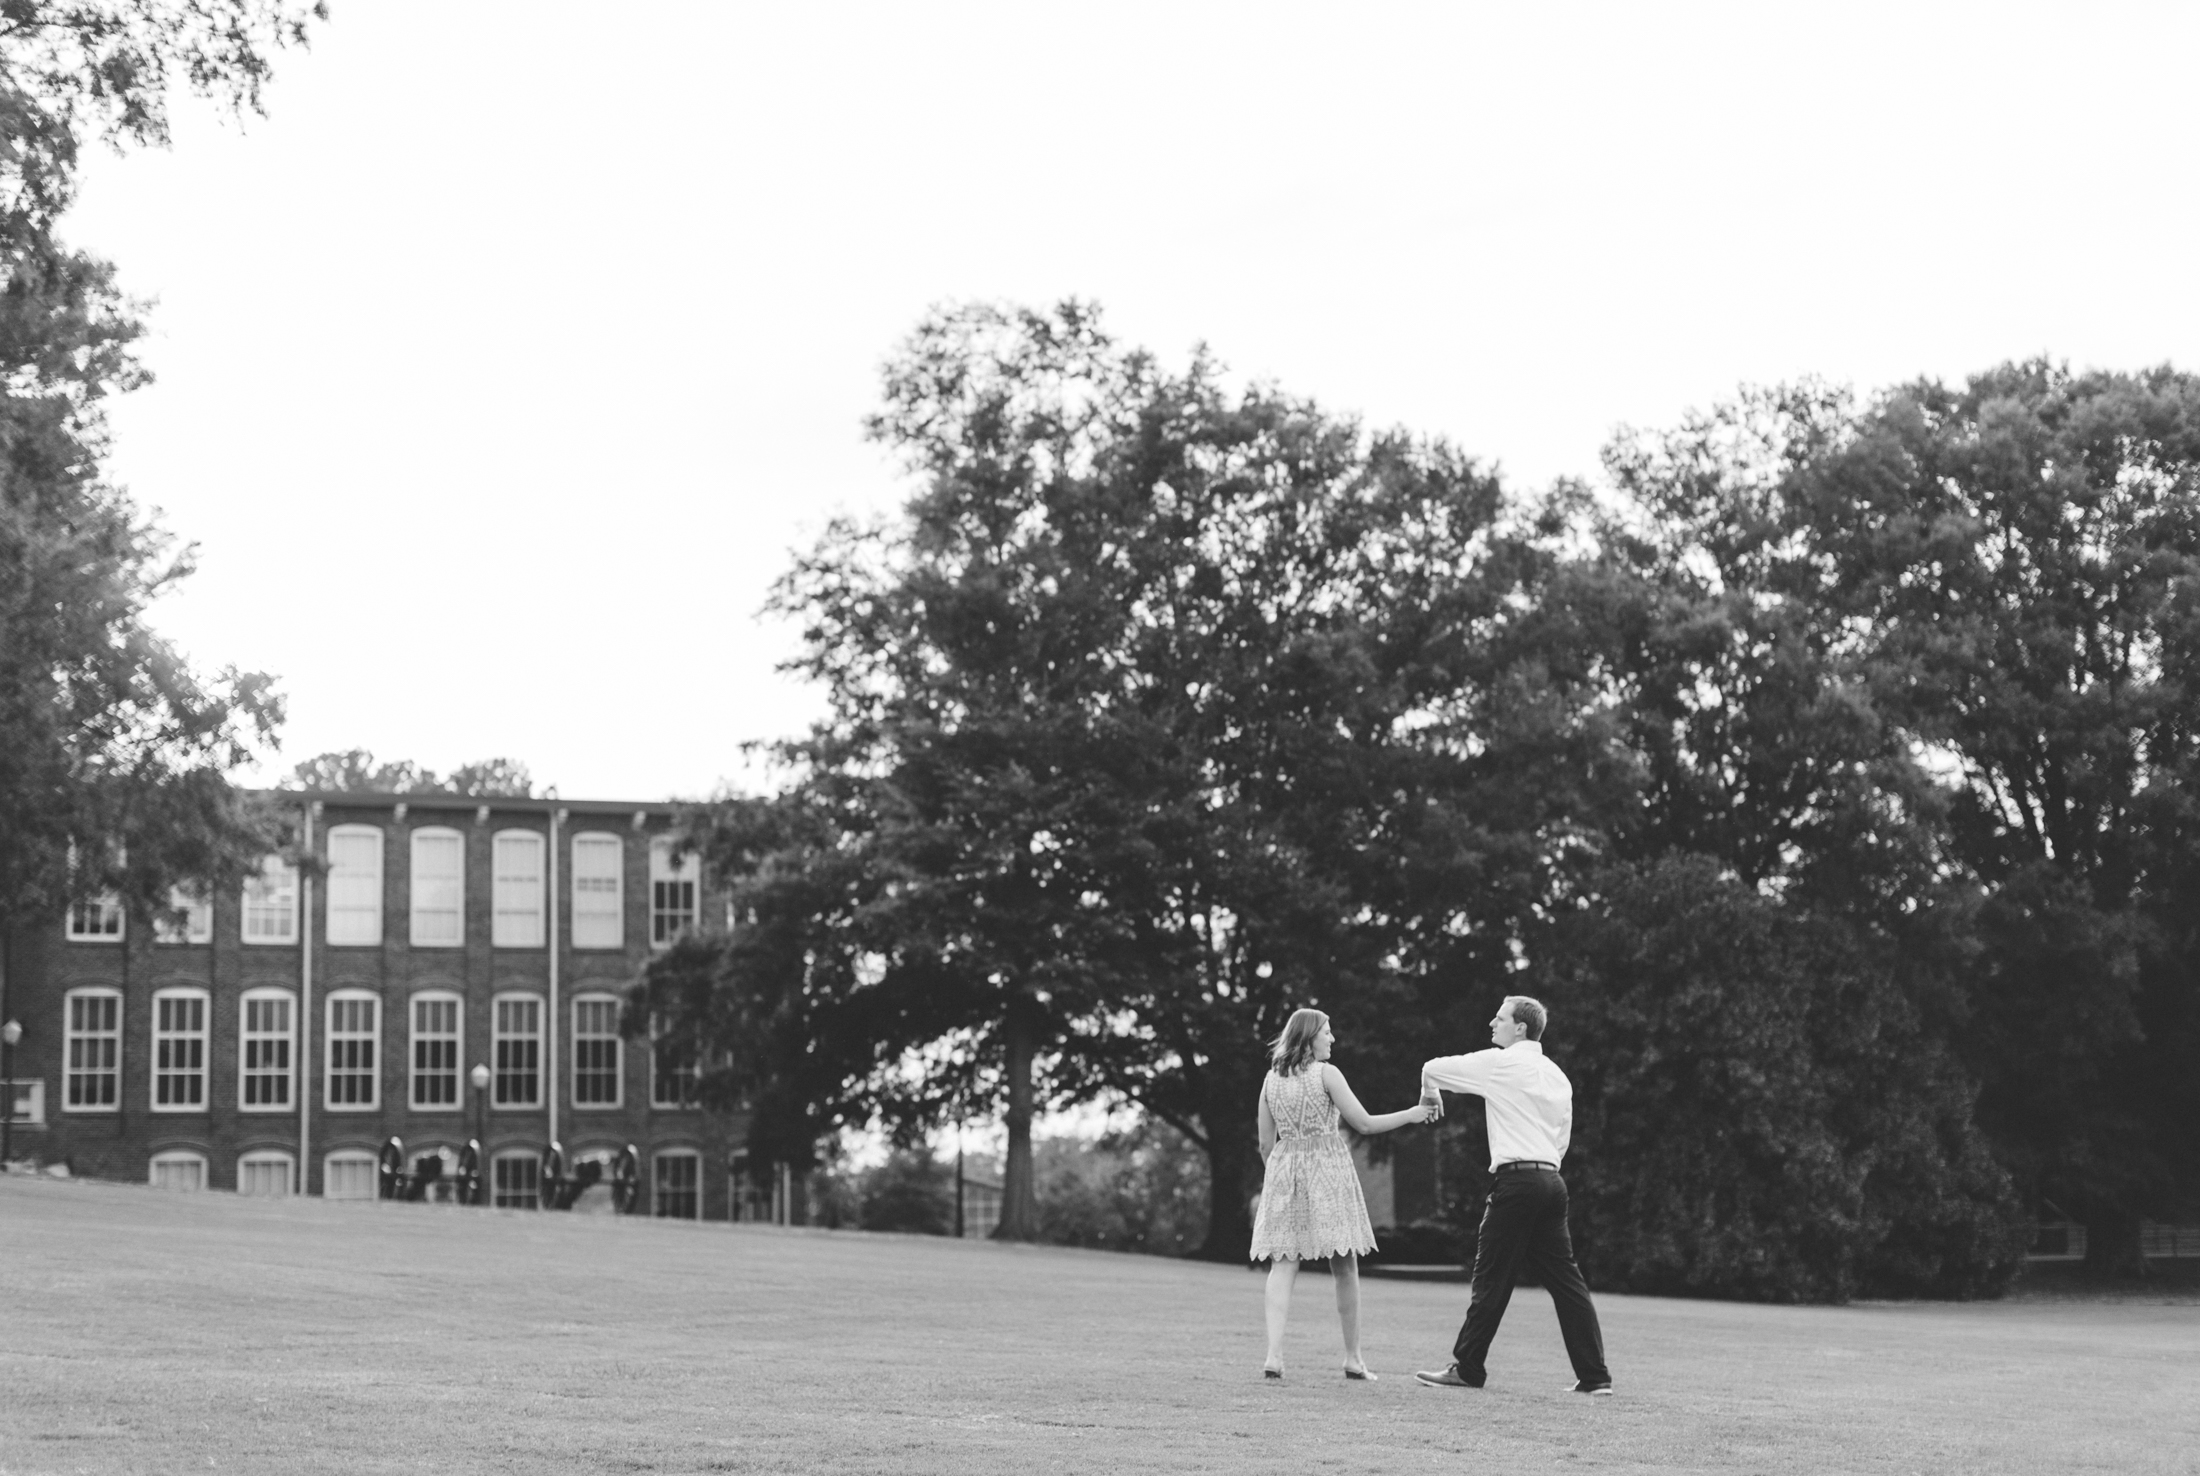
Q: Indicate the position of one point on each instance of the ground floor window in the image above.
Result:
(179, 1170)
(515, 1180)
(266, 1174)
(349, 1173)
(676, 1192)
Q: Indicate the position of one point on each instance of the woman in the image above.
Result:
(1310, 1204)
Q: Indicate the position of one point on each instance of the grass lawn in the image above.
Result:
(155, 1332)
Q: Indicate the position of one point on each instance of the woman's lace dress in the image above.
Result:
(1310, 1204)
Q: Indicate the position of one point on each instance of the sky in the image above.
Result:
(503, 367)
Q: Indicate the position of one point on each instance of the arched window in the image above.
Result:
(354, 1051)
(271, 903)
(179, 1050)
(355, 886)
(266, 1173)
(177, 1169)
(676, 1185)
(266, 1049)
(516, 1050)
(438, 1046)
(596, 1053)
(438, 887)
(516, 862)
(599, 862)
(91, 1034)
(349, 1173)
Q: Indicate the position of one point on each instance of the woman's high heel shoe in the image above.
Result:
(1362, 1374)
(1268, 1372)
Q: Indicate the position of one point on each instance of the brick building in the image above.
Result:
(277, 1040)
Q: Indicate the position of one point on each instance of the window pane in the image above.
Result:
(513, 1181)
(596, 1056)
(598, 868)
(678, 1187)
(264, 1175)
(354, 1033)
(672, 892)
(179, 1051)
(92, 1051)
(349, 1175)
(517, 1051)
(266, 1051)
(518, 863)
(271, 903)
(438, 889)
(355, 885)
(435, 1051)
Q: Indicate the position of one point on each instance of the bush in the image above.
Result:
(1758, 1111)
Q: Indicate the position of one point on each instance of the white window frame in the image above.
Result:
(657, 1162)
(356, 1164)
(595, 924)
(272, 896)
(355, 887)
(528, 1198)
(594, 1003)
(447, 887)
(72, 1037)
(168, 1043)
(95, 919)
(198, 922)
(516, 870)
(176, 1157)
(415, 1038)
(499, 1038)
(263, 1158)
(287, 1039)
(331, 1038)
(667, 923)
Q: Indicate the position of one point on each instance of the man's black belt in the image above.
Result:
(1526, 1163)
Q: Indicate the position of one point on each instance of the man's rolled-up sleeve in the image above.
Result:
(1469, 1073)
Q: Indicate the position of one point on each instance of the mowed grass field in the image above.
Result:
(148, 1332)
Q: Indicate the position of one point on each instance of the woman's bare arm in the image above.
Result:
(1267, 1123)
(1357, 1117)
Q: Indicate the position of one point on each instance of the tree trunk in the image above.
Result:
(1233, 1177)
(2112, 1245)
(1019, 1195)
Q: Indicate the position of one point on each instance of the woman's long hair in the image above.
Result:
(1295, 1047)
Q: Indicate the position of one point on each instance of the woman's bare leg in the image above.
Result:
(1281, 1273)
(1345, 1271)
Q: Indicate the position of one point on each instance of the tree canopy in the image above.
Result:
(1827, 770)
(113, 750)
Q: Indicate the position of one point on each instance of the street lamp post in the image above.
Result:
(10, 1033)
(479, 1076)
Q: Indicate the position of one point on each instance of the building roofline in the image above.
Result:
(539, 804)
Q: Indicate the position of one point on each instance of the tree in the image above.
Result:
(2023, 554)
(1123, 759)
(113, 751)
(1760, 1109)
(357, 771)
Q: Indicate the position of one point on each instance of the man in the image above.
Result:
(1529, 1104)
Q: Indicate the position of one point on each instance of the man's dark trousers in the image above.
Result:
(1525, 1221)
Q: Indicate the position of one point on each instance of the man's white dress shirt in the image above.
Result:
(1528, 1102)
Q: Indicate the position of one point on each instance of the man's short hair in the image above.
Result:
(1529, 1014)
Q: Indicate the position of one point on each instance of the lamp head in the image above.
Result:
(479, 1076)
(11, 1032)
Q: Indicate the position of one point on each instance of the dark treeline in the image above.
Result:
(1826, 767)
